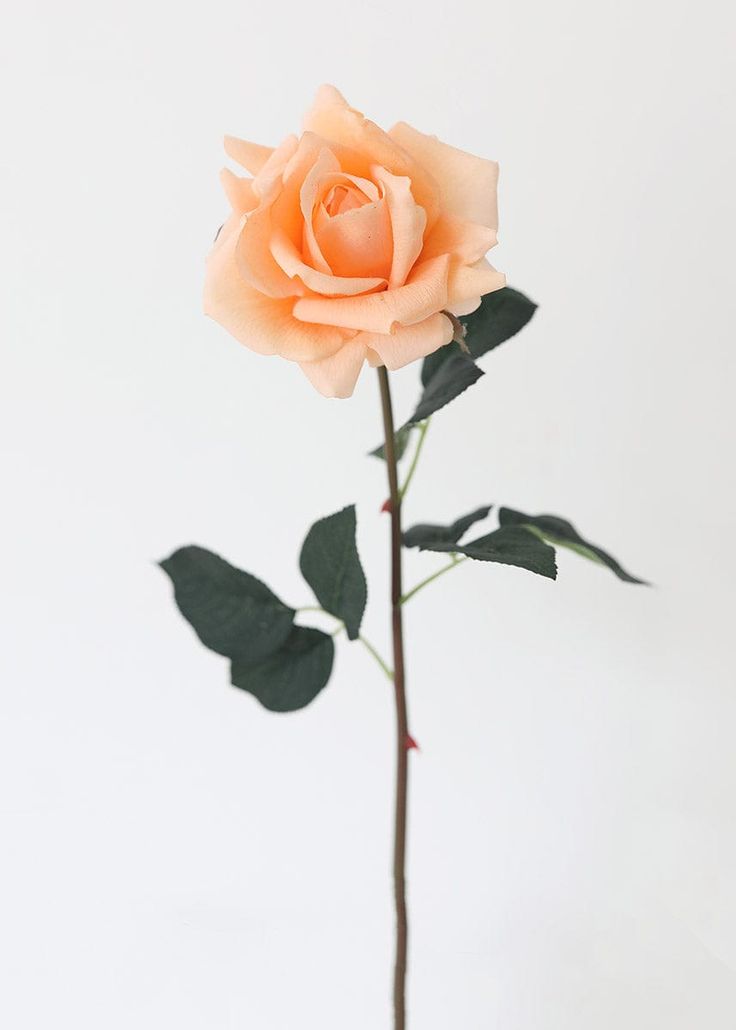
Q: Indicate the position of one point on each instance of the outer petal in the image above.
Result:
(408, 222)
(470, 282)
(424, 294)
(467, 241)
(332, 117)
(337, 375)
(467, 183)
(239, 191)
(252, 156)
(464, 307)
(263, 324)
(409, 343)
(275, 167)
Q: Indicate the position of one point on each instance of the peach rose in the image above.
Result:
(349, 243)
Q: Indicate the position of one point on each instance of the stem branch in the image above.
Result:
(415, 460)
(371, 650)
(430, 579)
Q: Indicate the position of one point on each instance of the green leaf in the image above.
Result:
(452, 378)
(562, 533)
(292, 676)
(500, 316)
(425, 535)
(330, 564)
(231, 611)
(510, 545)
(401, 442)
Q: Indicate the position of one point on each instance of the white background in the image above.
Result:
(174, 855)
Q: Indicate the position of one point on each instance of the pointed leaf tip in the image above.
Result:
(401, 442)
(562, 533)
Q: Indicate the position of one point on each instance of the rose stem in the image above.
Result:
(402, 727)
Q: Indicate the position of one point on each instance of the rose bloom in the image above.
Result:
(348, 244)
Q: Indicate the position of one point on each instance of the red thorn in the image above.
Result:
(410, 744)
(386, 506)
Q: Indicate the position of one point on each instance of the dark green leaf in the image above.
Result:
(292, 676)
(330, 564)
(427, 534)
(562, 533)
(510, 545)
(454, 376)
(401, 442)
(231, 611)
(500, 316)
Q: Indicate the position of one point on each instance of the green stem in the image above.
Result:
(424, 426)
(430, 579)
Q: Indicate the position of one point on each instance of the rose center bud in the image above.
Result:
(352, 227)
(343, 198)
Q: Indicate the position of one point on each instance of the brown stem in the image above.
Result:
(402, 723)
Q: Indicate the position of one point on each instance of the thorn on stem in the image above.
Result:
(410, 744)
(386, 506)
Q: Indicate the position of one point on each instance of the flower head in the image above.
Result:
(348, 243)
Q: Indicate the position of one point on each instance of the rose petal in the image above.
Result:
(310, 150)
(333, 118)
(342, 197)
(467, 183)
(253, 251)
(326, 162)
(337, 375)
(408, 222)
(424, 294)
(238, 191)
(470, 282)
(256, 263)
(327, 96)
(409, 343)
(252, 156)
(290, 260)
(324, 175)
(357, 242)
(358, 191)
(465, 307)
(465, 240)
(271, 174)
(263, 324)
